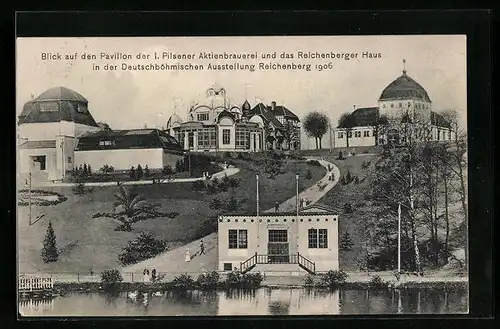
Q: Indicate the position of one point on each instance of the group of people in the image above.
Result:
(147, 277)
(200, 252)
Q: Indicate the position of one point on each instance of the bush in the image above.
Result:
(333, 279)
(179, 165)
(198, 186)
(183, 282)
(314, 163)
(309, 280)
(248, 280)
(143, 247)
(208, 281)
(147, 172)
(139, 173)
(111, 278)
(308, 175)
(79, 188)
(347, 208)
(356, 180)
(132, 173)
(167, 170)
(376, 282)
(50, 253)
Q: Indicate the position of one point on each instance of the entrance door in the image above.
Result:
(278, 248)
(39, 162)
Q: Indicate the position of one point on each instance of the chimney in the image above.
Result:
(273, 105)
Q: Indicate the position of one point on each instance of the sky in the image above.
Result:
(131, 99)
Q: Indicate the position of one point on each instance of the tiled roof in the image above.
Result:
(361, 117)
(281, 110)
(438, 120)
(47, 144)
(404, 87)
(128, 139)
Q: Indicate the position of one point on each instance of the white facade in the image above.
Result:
(357, 136)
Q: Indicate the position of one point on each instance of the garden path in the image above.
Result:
(173, 261)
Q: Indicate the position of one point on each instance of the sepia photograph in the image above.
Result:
(235, 176)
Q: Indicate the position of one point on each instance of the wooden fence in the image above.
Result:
(29, 283)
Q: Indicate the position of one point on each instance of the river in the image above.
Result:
(263, 301)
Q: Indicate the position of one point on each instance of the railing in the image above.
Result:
(35, 284)
(278, 259)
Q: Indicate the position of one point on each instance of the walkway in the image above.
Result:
(174, 260)
(229, 172)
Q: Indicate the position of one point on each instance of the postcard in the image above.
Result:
(271, 175)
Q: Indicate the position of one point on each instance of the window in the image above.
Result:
(357, 134)
(409, 104)
(207, 137)
(69, 159)
(449, 134)
(81, 108)
(349, 134)
(49, 107)
(106, 143)
(366, 133)
(203, 116)
(278, 236)
(228, 267)
(341, 134)
(439, 134)
(400, 105)
(318, 238)
(242, 137)
(238, 239)
(226, 136)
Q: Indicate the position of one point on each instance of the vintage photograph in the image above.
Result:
(220, 176)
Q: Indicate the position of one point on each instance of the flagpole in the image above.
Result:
(257, 177)
(297, 192)
(399, 238)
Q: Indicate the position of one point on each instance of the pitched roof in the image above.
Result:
(281, 110)
(361, 117)
(62, 94)
(128, 139)
(404, 87)
(266, 114)
(438, 120)
(47, 144)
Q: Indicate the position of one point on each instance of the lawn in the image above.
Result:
(92, 243)
(353, 194)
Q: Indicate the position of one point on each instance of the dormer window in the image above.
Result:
(81, 108)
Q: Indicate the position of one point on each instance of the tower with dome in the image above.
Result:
(217, 123)
(403, 104)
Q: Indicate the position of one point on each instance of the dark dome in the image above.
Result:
(246, 105)
(60, 94)
(404, 87)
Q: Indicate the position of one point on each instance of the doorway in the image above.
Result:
(278, 246)
(39, 162)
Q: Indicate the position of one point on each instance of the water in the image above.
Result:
(263, 301)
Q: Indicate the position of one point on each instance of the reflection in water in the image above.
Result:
(264, 301)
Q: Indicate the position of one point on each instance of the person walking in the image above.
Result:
(153, 275)
(202, 248)
(188, 256)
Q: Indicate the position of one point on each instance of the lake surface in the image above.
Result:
(263, 301)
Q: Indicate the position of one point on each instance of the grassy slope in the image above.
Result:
(98, 245)
(354, 194)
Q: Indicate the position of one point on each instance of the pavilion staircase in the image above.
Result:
(301, 261)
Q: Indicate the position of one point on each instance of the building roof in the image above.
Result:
(404, 87)
(47, 144)
(281, 110)
(438, 120)
(55, 105)
(62, 94)
(128, 139)
(362, 117)
(266, 114)
(246, 105)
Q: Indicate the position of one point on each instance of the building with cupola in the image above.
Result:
(404, 110)
(215, 123)
(57, 132)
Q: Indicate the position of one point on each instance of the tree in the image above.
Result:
(316, 125)
(346, 243)
(380, 126)
(132, 174)
(347, 122)
(289, 133)
(50, 253)
(143, 247)
(139, 173)
(147, 173)
(89, 170)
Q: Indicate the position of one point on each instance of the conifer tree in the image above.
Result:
(49, 250)
(85, 170)
(132, 173)
(147, 173)
(139, 172)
